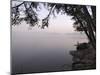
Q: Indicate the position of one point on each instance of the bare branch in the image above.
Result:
(18, 5)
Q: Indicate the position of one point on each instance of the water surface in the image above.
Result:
(42, 50)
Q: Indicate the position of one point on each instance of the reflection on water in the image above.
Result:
(36, 51)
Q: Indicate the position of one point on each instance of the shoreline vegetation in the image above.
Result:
(84, 57)
(83, 19)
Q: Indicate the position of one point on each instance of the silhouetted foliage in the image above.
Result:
(84, 16)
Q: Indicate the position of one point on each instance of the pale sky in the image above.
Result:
(61, 24)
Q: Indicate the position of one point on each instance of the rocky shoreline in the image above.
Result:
(84, 57)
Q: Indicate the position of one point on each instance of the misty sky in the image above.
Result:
(62, 23)
(35, 49)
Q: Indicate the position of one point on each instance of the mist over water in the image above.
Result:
(42, 50)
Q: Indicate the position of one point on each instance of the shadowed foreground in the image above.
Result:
(84, 57)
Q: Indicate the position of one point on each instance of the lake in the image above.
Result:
(42, 51)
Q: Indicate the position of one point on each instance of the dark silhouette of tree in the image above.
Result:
(84, 16)
(84, 21)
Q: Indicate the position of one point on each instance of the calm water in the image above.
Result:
(39, 51)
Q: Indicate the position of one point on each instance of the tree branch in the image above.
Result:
(18, 5)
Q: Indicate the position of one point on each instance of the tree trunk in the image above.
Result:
(90, 26)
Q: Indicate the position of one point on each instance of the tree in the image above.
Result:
(84, 16)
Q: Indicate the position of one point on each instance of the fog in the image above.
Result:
(39, 50)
